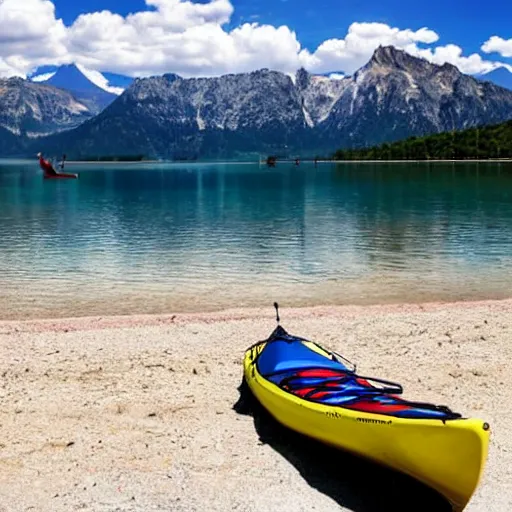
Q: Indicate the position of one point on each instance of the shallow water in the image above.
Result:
(156, 238)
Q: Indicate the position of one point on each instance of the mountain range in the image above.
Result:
(30, 109)
(395, 95)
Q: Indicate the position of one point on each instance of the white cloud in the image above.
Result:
(498, 45)
(31, 36)
(191, 39)
(354, 51)
(473, 64)
(6, 70)
(336, 76)
(153, 43)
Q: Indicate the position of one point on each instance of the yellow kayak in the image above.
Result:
(314, 392)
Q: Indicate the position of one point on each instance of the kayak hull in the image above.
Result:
(448, 456)
(61, 176)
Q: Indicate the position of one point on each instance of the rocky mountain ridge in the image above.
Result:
(395, 95)
(32, 110)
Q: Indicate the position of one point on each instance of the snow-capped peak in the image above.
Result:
(99, 79)
(72, 74)
(42, 77)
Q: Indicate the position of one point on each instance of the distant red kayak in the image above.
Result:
(49, 172)
(60, 175)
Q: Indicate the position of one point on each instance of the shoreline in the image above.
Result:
(99, 322)
(476, 161)
(263, 163)
(145, 412)
(292, 161)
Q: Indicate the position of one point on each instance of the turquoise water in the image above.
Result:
(156, 238)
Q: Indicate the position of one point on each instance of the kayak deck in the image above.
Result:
(297, 369)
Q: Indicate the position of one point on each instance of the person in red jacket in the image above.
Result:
(46, 166)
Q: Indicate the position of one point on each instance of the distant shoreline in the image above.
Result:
(302, 161)
(468, 161)
(264, 163)
(501, 160)
(112, 162)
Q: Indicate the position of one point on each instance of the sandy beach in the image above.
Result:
(145, 413)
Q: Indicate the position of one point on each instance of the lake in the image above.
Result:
(153, 238)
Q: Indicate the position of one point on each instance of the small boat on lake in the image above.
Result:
(49, 172)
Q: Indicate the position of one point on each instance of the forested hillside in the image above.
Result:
(485, 142)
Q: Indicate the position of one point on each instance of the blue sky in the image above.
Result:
(212, 37)
(467, 23)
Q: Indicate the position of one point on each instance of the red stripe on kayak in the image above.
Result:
(320, 373)
(334, 385)
(376, 407)
(302, 392)
(319, 395)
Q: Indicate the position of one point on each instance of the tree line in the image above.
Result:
(112, 158)
(484, 142)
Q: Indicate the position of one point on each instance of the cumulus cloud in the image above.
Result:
(31, 36)
(154, 42)
(352, 52)
(7, 71)
(498, 45)
(472, 64)
(357, 47)
(191, 38)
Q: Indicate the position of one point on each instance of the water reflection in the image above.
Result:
(206, 235)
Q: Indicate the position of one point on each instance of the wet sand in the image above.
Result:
(141, 413)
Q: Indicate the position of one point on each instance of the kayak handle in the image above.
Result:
(391, 387)
(326, 384)
(338, 357)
